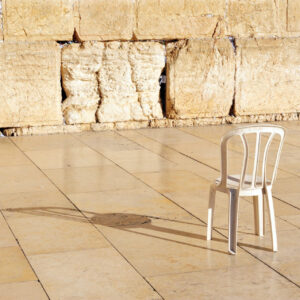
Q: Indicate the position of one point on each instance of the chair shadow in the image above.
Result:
(126, 222)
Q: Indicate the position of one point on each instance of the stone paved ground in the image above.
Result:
(121, 215)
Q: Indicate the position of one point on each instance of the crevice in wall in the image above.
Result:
(233, 43)
(62, 44)
(99, 89)
(76, 37)
(136, 13)
(162, 92)
(2, 132)
(178, 45)
(134, 37)
(100, 96)
(63, 98)
(232, 108)
(215, 32)
(63, 93)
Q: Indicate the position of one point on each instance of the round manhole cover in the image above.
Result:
(119, 219)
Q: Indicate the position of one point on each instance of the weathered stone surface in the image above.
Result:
(80, 64)
(30, 84)
(117, 81)
(106, 20)
(200, 78)
(293, 15)
(252, 18)
(154, 123)
(1, 21)
(129, 81)
(38, 19)
(268, 76)
(172, 19)
(51, 129)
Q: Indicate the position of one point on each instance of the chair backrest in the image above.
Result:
(271, 131)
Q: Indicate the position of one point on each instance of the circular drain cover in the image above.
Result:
(119, 219)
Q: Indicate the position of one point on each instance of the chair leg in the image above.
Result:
(272, 218)
(259, 219)
(233, 221)
(211, 208)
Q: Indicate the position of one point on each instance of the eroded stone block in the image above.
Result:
(172, 19)
(30, 84)
(106, 20)
(268, 76)
(1, 21)
(115, 81)
(252, 18)
(200, 78)
(80, 64)
(38, 19)
(293, 15)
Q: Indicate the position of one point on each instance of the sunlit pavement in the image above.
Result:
(122, 215)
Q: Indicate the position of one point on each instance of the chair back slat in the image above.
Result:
(265, 157)
(277, 160)
(253, 181)
(245, 160)
(256, 159)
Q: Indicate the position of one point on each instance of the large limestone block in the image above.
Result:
(114, 81)
(268, 76)
(173, 19)
(129, 78)
(200, 78)
(38, 19)
(30, 84)
(106, 20)
(252, 18)
(293, 16)
(80, 64)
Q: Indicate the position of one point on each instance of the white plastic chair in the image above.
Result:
(245, 184)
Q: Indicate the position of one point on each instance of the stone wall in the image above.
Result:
(96, 64)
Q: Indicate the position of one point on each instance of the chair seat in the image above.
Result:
(233, 182)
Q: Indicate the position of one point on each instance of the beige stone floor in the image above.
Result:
(121, 215)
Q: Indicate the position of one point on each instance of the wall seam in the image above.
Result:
(2, 21)
(232, 111)
(98, 85)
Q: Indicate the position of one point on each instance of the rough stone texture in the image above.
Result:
(106, 20)
(200, 78)
(1, 21)
(252, 18)
(155, 123)
(116, 83)
(119, 77)
(268, 76)
(174, 19)
(39, 130)
(30, 84)
(129, 81)
(293, 16)
(80, 64)
(38, 19)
